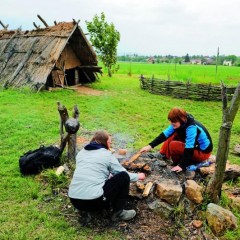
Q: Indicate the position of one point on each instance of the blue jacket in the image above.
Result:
(193, 133)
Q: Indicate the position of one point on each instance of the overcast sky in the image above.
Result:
(149, 27)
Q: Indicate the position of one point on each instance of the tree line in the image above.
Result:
(208, 60)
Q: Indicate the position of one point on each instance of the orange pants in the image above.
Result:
(174, 147)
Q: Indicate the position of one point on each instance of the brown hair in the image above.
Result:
(177, 115)
(100, 137)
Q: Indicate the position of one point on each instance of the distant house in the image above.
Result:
(208, 61)
(54, 56)
(227, 63)
(196, 61)
(151, 60)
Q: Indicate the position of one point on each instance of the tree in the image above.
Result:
(215, 184)
(187, 58)
(105, 39)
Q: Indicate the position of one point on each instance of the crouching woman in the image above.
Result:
(92, 188)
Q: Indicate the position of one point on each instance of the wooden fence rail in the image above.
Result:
(177, 89)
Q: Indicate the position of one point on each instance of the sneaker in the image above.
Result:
(124, 215)
(190, 175)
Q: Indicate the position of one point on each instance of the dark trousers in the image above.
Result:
(115, 190)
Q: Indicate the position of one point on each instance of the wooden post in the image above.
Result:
(71, 127)
(76, 75)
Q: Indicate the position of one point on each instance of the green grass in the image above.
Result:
(194, 73)
(28, 120)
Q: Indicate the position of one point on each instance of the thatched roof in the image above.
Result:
(29, 58)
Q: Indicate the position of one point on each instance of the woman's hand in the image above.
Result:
(176, 169)
(145, 149)
(141, 176)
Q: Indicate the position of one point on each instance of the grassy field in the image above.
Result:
(29, 210)
(194, 73)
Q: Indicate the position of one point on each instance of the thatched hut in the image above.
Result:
(59, 55)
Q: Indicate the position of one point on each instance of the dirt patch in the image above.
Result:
(148, 223)
(88, 91)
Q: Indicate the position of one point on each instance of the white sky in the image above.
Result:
(149, 27)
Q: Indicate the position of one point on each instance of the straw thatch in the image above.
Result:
(59, 55)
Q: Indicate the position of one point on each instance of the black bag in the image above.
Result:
(33, 162)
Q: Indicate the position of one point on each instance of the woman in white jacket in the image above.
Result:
(92, 188)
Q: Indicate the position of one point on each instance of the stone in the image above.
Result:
(169, 190)
(219, 219)
(161, 208)
(197, 223)
(193, 191)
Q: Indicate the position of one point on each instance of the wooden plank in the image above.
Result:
(21, 64)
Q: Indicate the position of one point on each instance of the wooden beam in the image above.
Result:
(89, 66)
(43, 21)
(35, 25)
(76, 22)
(3, 25)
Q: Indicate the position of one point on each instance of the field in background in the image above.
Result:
(29, 209)
(194, 73)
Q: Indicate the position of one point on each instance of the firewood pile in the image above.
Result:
(158, 172)
(155, 171)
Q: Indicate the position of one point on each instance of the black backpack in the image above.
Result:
(33, 162)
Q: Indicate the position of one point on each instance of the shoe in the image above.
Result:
(124, 215)
(84, 217)
(190, 175)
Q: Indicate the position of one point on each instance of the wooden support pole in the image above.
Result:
(35, 25)
(43, 21)
(71, 127)
(73, 137)
(76, 22)
(3, 25)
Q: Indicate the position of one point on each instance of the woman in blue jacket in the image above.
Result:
(185, 141)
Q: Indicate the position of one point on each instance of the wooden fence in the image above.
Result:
(177, 89)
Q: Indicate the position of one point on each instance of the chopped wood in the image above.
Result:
(133, 158)
(140, 186)
(60, 170)
(147, 189)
